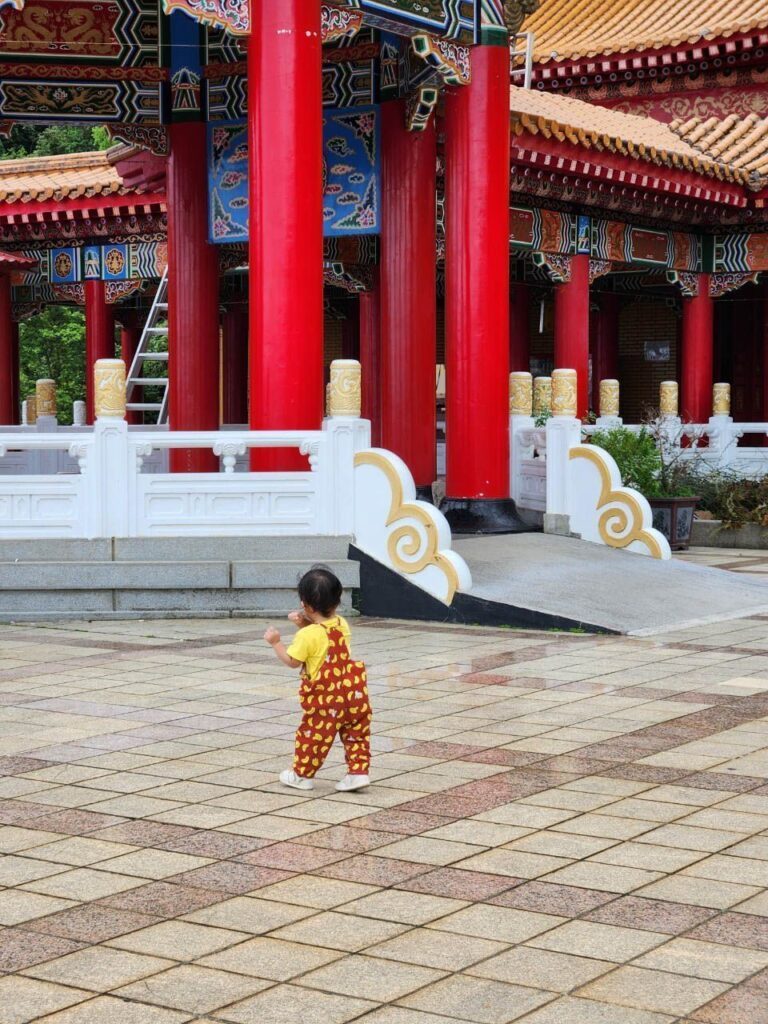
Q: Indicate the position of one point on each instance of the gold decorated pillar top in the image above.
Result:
(109, 388)
(609, 397)
(346, 395)
(520, 393)
(721, 399)
(668, 398)
(542, 395)
(45, 395)
(564, 393)
(31, 410)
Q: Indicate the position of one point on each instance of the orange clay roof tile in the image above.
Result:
(570, 29)
(735, 149)
(71, 176)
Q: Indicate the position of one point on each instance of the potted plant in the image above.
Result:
(652, 462)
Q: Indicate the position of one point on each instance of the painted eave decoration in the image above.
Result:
(351, 176)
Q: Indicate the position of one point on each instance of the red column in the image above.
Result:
(408, 292)
(477, 296)
(16, 379)
(605, 361)
(193, 298)
(286, 221)
(7, 407)
(370, 351)
(763, 341)
(519, 327)
(572, 328)
(235, 363)
(697, 355)
(99, 336)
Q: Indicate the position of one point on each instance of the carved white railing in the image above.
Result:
(112, 480)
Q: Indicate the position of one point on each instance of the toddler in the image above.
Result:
(333, 692)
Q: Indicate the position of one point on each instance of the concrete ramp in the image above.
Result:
(518, 578)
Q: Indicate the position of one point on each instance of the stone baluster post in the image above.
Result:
(346, 434)
(110, 474)
(563, 433)
(609, 405)
(46, 422)
(671, 424)
(722, 437)
(520, 428)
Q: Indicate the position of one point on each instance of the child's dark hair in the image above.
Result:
(321, 590)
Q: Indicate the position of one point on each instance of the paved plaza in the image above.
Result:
(563, 829)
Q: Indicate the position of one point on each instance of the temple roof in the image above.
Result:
(70, 176)
(569, 29)
(740, 142)
(733, 150)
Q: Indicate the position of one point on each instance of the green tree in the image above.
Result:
(53, 140)
(52, 344)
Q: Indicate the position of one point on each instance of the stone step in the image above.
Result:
(197, 575)
(307, 548)
(83, 604)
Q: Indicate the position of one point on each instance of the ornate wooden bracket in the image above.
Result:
(419, 107)
(339, 22)
(687, 282)
(451, 61)
(353, 281)
(721, 284)
(557, 265)
(599, 268)
(153, 137)
(232, 15)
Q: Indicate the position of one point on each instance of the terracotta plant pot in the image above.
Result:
(674, 518)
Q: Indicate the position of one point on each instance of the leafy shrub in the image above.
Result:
(636, 454)
(734, 500)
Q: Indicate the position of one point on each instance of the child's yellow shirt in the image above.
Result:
(310, 645)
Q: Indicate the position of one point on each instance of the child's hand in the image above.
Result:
(272, 636)
(298, 618)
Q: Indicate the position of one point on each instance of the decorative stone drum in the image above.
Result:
(721, 399)
(346, 397)
(609, 397)
(668, 398)
(109, 388)
(78, 414)
(564, 393)
(31, 410)
(542, 395)
(45, 395)
(520, 393)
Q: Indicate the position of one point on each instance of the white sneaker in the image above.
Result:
(350, 782)
(290, 778)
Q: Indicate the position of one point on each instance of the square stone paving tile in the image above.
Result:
(250, 914)
(344, 932)
(16, 906)
(570, 1010)
(502, 923)
(653, 990)
(181, 939)
(651, 915)
(550, 898)
(403, 907)
(193, 988)
(110, 1009)
(83, 884)
(602, 941)
(380, 980)
(289, 1004)
(98, 968)
(744, 1004)
(442, 950)
(272, 959)
(699, 959)
(542, 968)
(26, 999)
(477, 1000)
(20, 948)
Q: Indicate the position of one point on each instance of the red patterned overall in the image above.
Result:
(335, 702)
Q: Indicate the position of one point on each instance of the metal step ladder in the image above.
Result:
(153, 329)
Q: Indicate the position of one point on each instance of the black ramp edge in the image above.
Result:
(386, 594)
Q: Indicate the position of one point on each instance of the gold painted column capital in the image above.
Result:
(109, 388)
